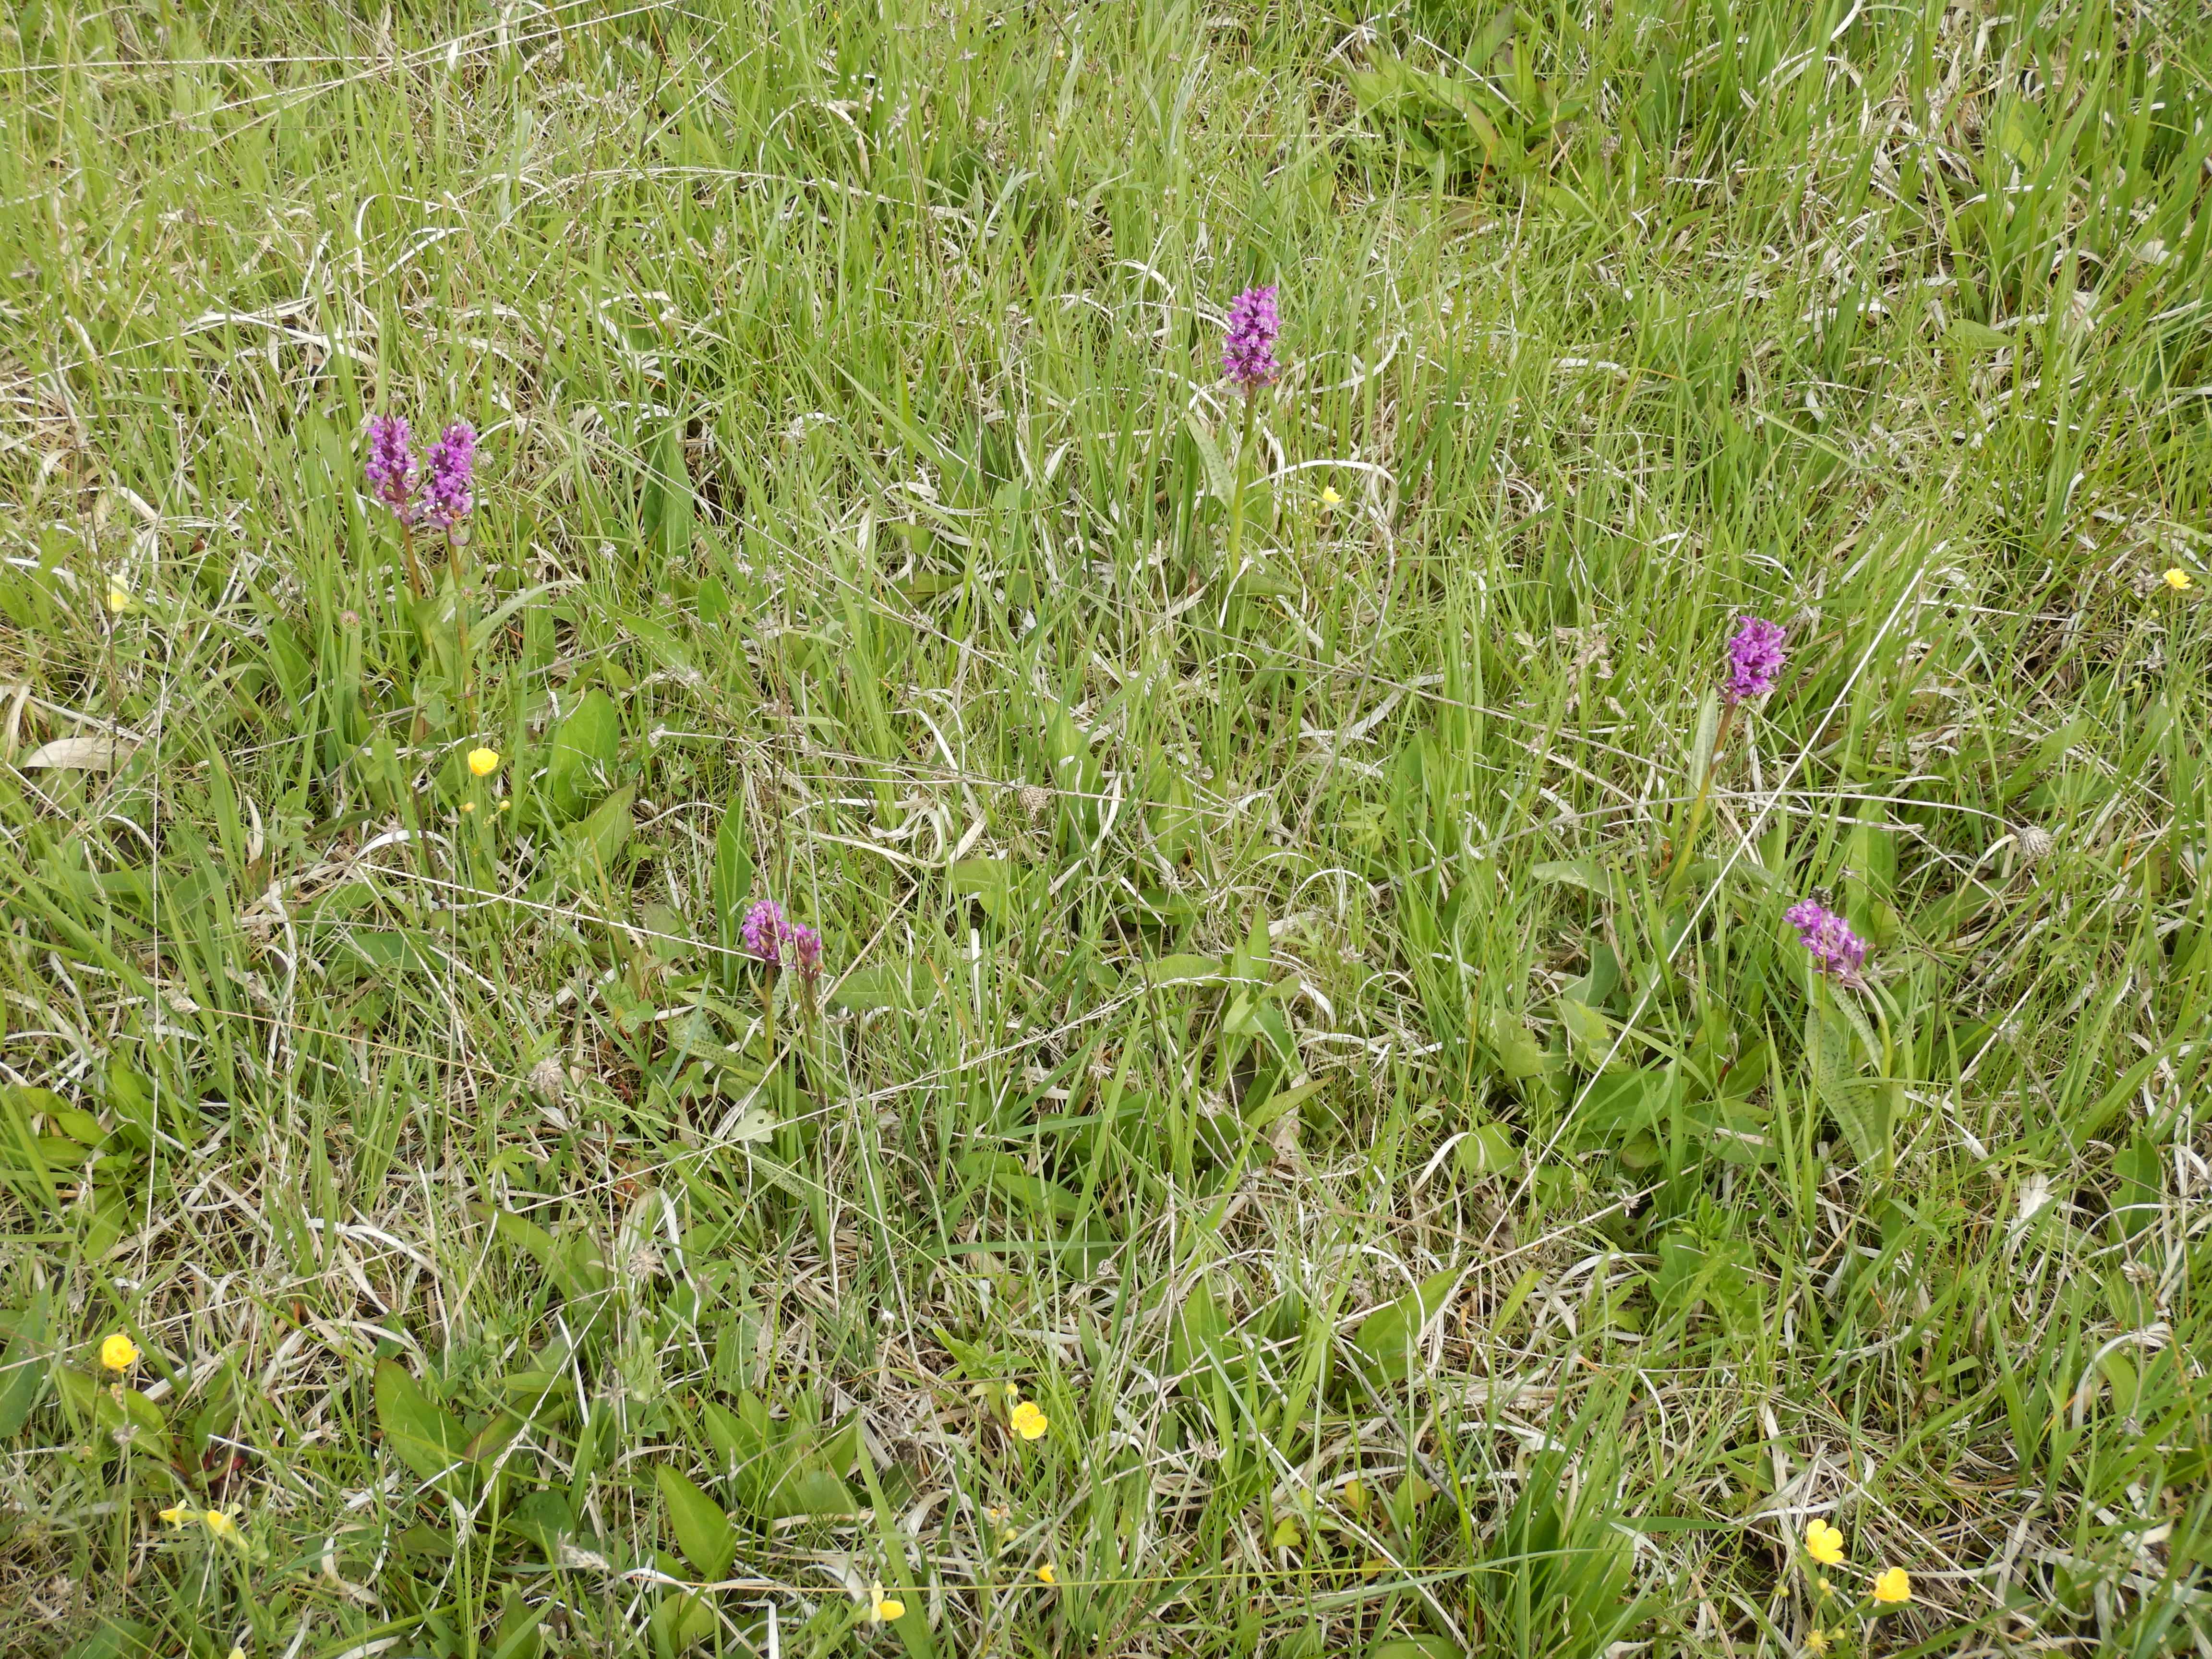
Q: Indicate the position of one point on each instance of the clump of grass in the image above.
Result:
(1297, 1118)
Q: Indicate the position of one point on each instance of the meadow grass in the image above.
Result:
(1315, 1135)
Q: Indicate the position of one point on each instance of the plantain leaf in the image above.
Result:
(597, 840)
(703, 1533)
(1388, 1337)
(20, 1379)
(585, 746)
(428, 1438)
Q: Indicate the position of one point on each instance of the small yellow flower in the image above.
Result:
(1329, 497)
(220, 1524)
(1013, 1393)
(1823, 1542)
(483, 762)
(1816, 1641)
(468, 806)
(883, 1608)
(505, 804)
(237, 1653)
(1895, 1588)
(118, 598)
(1048, 1574)
(118, 1353)
(182, 1515)
(1029, 1422)
(2179, 579)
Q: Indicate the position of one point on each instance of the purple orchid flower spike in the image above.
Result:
(764, 932)
(1248, 356)
(449, 492)
(1836, 951)
(1755, 659)
(805, 949)
(391, 469)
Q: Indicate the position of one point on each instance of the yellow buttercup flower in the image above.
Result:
(118, 598)
(468, 806)
(1329, 497)
(1013, 1392)
(181, 1516)
(1048, 1574)
(1895, 1588)
(118, 1353)
(883, 1608)
(220, 1524)
(2179, 579)
(1029, 1422)
(1823, 1542)
(483, 762)
(237, 1653)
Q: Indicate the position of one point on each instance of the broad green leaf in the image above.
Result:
(1617, 1105)
(517, 1636)
(1515, 1048)
(1717, 1275)
(571, 1260)
(1839, 1046)
(546, 1519)
(78, 1125)
(703, 1533)
(1418, 1647)
(1262, 1112)
(113, 1407)
(117, 1638)
(585, 747)
(1589, 1031)
(1186, 970)
(810, 1492)
(732, 886)
(885, 985)
(1387, 1339)
(1967, 336)
(665, 505)
(663, 648)
(1487, 1150)
(21, 1378)
(1588, 874)
(989, 882)
(1004, 1174)
(1220, 482)
(599, 838)
(682, 1622)
(428, 1438)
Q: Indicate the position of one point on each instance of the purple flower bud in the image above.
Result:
(448, 492)
(390, 468)
(1837, 950)
(1755, 659)
(805, 949)
(1248, 356)
(763, 931)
